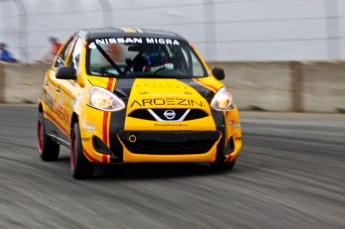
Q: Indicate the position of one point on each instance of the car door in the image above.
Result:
(50, 85)
(64, 92)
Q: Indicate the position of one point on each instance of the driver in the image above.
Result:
(155, 60)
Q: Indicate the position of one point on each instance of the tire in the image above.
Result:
(223, 166)
(81, 167)
(48, 150)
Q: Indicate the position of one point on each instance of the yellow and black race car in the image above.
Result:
(126, 95)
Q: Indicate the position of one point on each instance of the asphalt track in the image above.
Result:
(291, 174)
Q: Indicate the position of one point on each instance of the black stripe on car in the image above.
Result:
(117, 119)
(219, 120)
(204, 92)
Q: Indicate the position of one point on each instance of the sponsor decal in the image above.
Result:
(237, 124)
(166, 101)
(88, 126)
(238, 138)
(57, 123)
(133, 40)
(85, 139)
(60, 111)
(77, 101)
(48, 99)
(169, 124)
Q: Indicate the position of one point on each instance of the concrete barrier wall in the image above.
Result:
(271, 86)
(317, 86)
(324, 86)
(22, 83)
(258, 85)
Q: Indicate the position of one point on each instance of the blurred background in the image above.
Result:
(283, 57)
(222, 30)
(278, 55)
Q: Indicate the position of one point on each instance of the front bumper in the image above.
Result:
(162, 146)
(112, 141)
(168, 142)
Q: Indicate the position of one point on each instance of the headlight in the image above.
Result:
(222, 101)
(105, 100)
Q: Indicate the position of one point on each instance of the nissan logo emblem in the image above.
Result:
(169, 114)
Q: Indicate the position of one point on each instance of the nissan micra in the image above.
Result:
(129, 95)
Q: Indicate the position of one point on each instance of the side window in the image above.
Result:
(75, 56)
(185, 56)
(62, 57)
(193, 62)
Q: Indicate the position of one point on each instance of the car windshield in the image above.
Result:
(151, 57)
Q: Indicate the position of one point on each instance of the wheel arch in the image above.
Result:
(74, 120)
(40, 108)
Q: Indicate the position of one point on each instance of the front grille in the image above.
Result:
(145, 114)
(195, 114)
(162, 148)
(160, 113)
(142, 114)
(168, 142)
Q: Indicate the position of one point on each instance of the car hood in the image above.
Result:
(161, 93)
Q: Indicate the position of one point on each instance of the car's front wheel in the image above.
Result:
(48, 150)
(81, 167)
(223, 166)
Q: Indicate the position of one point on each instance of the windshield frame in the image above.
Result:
(122, 74)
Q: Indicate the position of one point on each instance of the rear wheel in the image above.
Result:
(223, 166)
(47, 148)
(81, 167)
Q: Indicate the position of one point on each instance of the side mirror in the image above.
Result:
(218, 73)
(65, 73)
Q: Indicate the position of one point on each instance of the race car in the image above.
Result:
(135, 95)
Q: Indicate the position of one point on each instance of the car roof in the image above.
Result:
(135, 32)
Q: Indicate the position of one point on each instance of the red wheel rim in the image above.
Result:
(73, 143)
(39, 136)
